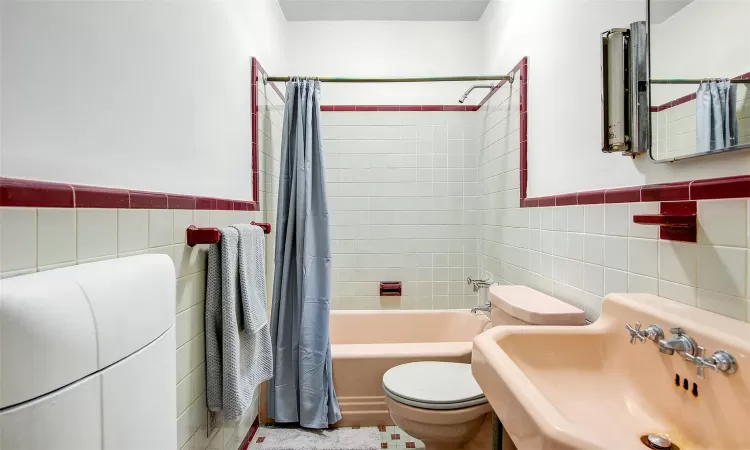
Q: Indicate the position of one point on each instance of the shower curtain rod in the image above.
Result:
(695, 80)
(399, 80)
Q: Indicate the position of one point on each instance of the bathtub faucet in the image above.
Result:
(486, 307)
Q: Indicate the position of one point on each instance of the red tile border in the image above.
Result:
(250, 434)
(566, 199)
(16, 192)
(224, 204)
(729, 187)
(180, 201)
(395, 108)
(591, 197)
(623, 195)
(43, 194)
(147, 200)
(99, 197)
(547, 201)
(665, 192)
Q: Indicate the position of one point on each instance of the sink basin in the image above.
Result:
(587, 387)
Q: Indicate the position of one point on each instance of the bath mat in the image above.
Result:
(336, 439)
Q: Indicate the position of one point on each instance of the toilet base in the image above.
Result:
(460, 429)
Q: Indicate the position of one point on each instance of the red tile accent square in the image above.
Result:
(411, 445)
(530, 202)
(410, 108)
(395, 437)
(345, 108)
(367, 108)
(381, 428)
(327, 108)
(389, 108)
(432, 107)
(383, 445)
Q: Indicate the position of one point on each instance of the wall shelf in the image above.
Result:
(677, 221)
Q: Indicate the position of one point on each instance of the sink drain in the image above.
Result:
(658, 442)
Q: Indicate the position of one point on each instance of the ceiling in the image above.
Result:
(451, 10)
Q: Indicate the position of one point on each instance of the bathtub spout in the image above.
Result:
(486, 308)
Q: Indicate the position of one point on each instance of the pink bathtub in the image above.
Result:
(365, 344)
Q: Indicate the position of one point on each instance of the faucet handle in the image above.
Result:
(677, 331)
(701, 362)
(635, 332)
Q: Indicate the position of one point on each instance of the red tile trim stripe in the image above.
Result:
(250, 434)
(689, 97)
(43, 194)
(706, 189)
(392, 108)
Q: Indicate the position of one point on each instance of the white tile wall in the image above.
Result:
(402, 194)
(704, 274)
(581, 253)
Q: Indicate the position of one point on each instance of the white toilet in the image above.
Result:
(440, 403)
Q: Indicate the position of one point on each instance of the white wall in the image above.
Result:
(151, 95)
(695, 43)
(562, 40)
(387, 49)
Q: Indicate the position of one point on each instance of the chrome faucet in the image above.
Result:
(486, 308)
(652, 332)
(720, 361)
(680, 343)
(685, 346)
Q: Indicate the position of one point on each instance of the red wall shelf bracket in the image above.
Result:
(195, 235)
(677, 221)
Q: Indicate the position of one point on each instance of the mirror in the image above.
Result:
(700, 77)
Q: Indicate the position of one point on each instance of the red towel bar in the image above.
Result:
(195, 235)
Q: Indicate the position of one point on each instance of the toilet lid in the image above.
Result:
(433, 385)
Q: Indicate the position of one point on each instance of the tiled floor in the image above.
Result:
(391, 437)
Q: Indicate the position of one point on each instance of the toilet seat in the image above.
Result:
(433, 385)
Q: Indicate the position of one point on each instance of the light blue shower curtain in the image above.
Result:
(716, 116)
(302, 387)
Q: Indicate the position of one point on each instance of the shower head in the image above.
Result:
(476, 86)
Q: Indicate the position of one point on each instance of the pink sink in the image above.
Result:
(589, 388)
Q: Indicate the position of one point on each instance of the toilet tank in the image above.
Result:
(87, 357)
(522, 305)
